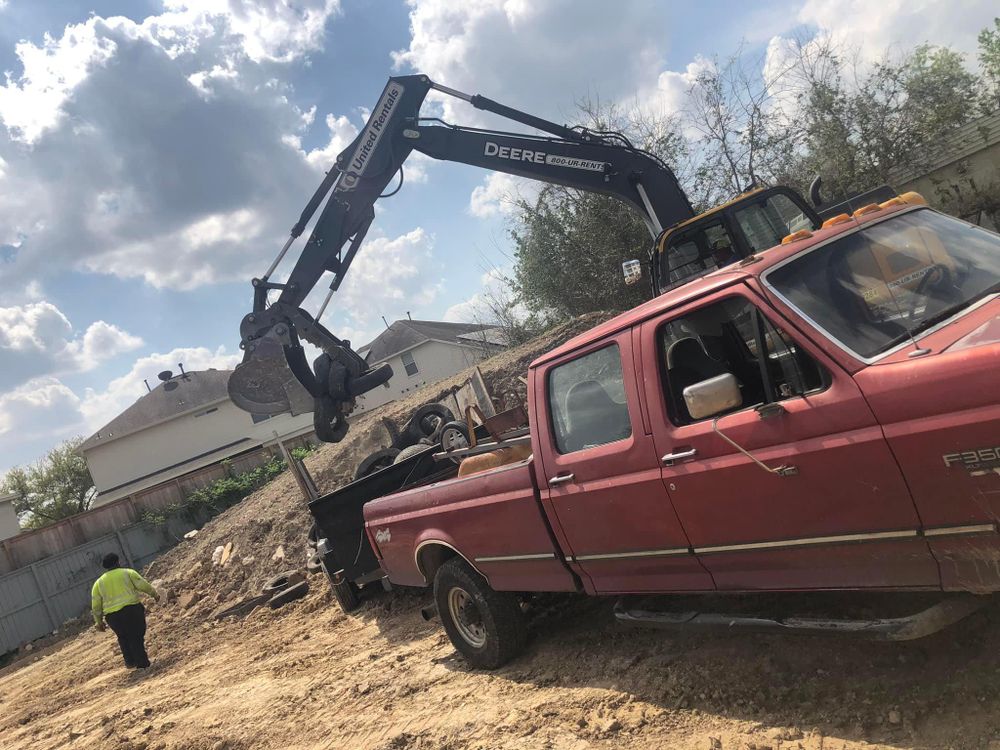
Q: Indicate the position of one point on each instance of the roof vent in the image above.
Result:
(165, 375)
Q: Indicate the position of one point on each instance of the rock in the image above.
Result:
(362, 688)
(30, 647)
(217, 554)
(786, 733)
(895, 718)
(227, 552)
(191, 534)
(147, 711)
(714, 743)
(221, 745)
(188, 600)
(279, 554)
(611, 726)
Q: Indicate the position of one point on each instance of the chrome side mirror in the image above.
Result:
(713, 396)
(633, 272)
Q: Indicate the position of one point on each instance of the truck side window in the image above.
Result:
(728, 337)
(587, 401)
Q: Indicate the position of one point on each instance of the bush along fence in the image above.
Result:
(38, 598)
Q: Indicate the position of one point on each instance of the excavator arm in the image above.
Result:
(275, 375)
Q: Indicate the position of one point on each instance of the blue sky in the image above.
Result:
(153, 156)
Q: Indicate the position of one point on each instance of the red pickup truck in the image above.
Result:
(822, 415)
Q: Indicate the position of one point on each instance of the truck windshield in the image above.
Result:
(872, 289)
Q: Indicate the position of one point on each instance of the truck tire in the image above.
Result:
(345, 592)
(282, 581)
(486, 627)
(377, 460)
(289, 594)
(410, 450)
(428, 420)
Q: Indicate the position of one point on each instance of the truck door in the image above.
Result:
(600, 476)
(838, 513)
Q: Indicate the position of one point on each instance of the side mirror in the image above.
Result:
(633, 272)
(713, 396)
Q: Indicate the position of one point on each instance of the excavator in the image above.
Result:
(275, 375)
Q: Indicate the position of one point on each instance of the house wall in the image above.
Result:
(9, 525)
(979, 169)
(435, 360)
(213, 432)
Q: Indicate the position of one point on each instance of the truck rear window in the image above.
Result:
(874, 288)
(587, 401)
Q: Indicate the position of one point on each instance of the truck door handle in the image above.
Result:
(561, 479)
(671, 457)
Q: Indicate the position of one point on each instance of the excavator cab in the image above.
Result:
(750, 223)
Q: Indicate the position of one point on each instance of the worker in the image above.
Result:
(115, 599)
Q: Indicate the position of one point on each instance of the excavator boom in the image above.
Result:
(275, 375)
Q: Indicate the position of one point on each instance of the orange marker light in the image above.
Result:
(796, 236)
(834, 220)
(870, 208)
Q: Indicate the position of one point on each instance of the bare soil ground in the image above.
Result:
(308, 676)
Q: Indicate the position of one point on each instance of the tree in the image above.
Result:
(56, 487)
(744, 139)
(890, 115)
(989, 61)
(569, 245)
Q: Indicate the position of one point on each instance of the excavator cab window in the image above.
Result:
(765, 222)
(700, 249)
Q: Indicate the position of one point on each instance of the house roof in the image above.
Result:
(406, 334)
(194, 388)
(959, 144)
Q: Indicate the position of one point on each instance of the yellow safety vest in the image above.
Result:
(115, 589)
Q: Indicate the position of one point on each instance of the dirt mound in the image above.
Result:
(268, 529)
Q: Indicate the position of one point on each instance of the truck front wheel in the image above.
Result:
(487, 627)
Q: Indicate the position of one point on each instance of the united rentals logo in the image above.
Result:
(373, 133)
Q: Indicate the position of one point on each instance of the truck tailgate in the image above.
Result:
(493, 519)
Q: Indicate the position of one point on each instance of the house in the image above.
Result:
(9, 525)
(183, 425)
(960, 175)
(422, 352)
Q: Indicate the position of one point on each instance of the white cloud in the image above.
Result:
(899, 25)
(41, 408)
(33, 104)
(37, 339)
(535, 56)
(476, 309)
(498, 193)
(181, 177)
(388, 277)
(268, 30)
(342, 132)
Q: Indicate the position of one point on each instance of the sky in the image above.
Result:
(155, 153)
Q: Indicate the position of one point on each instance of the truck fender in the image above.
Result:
(433, 549)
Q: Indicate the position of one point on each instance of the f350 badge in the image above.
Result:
(978, 461)
(383, 536)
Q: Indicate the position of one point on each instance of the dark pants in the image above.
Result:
(129, 624)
